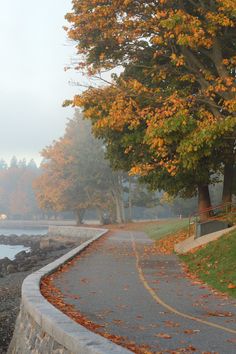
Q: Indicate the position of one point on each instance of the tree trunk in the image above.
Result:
(130, 200)
(79, 216)
(100, 216)
(228, 183)
(122, 210)
(119, 218)
(204, 201)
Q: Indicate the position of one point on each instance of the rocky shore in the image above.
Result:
(13, 272)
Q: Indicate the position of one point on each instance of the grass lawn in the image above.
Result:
(215, 264)
(162, 229)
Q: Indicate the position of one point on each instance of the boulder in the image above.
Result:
(11, 269)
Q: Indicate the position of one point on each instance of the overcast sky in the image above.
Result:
(33, 84)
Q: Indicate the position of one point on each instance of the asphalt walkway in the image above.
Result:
(145, 298)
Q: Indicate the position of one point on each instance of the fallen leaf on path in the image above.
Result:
(163, 335)
(171, 324)
(220, 314)
(118, 322)
(84, 280)
(191, 331)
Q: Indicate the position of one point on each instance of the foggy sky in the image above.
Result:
(33, 84)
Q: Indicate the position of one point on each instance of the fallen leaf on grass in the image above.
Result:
(231, 286)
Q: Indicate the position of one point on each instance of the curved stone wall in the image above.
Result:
(43, 329)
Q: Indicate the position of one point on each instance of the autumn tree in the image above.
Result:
(76, 175)
(172, 110)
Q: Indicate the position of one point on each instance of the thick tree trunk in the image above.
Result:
(119, 213)
(79, 216)
(228, 183)
(100, 216)
(204, 201)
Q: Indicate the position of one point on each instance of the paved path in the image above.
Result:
(146, 298)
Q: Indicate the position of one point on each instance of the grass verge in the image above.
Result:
(215, 264)
(166, 233)
(164, 228)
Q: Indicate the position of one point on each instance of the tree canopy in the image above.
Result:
(76, 175)
(170, 115)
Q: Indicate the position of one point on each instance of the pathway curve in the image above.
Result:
(147, 299)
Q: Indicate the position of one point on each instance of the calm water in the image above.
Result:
(10, 251)
(23, 231)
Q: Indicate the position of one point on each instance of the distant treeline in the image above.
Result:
(17, 198)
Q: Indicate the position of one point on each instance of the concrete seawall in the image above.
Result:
(72, 231)
(43, 329)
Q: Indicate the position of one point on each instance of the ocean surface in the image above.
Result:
(9, 250)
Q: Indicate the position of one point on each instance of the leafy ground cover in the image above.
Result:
(215, 263)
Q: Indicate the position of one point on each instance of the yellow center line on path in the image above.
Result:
(162, 303)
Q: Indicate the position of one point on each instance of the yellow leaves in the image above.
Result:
(102, 56)
(220, 85)
(137, 86)
(128, 149)
(166, 198)
(101, 123)
(127, 2)
(161, 14)
(227, 6)
(136, 170)
(78, 101)
(188, 77)
(177, 60)
(220, 88)
(228, 81)
(225, 61)
(219, 19)
(157, 40)
(120, 40)
(230, 105)
(158, 142)
(141, 170)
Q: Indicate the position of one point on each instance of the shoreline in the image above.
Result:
(13, 273)
(4, 224)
